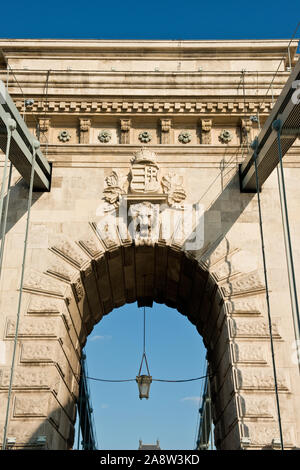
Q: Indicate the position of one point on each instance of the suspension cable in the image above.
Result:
(3, 228)
(35, 146)
(282, 58)
(11, 126)
(277, 125)
(255, 145)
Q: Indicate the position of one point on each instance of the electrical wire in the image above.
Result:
(153, 380)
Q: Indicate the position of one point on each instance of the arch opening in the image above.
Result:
(174, 351)
(85, 281)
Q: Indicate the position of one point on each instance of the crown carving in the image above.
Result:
(144, 156)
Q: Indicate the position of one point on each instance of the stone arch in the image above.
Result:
(88, 278)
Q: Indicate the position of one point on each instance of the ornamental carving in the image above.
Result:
(41, 304)
(24, 377)
(249, 283)
(29, 406)
(243, 306)
(144, 179)
(38, 351)
(246, 353)
(206, 126)
(33, 327)
(165, 125)
(78, 289)
(260, 378)
(145, 217)
(225, 137)
(184, 137)
(125, 126)
(114, 189)
(84, 127)
(246, 125)
(145, 137)
(104, 136)
(172, 185)
(64, 136)
(35, 282)
(252, 328)
(70, 252)
(144, 172)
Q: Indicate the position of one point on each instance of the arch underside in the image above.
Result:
(88, 278)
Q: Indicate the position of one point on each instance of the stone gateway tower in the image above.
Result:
(144, 140)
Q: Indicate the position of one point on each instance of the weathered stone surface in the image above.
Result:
(33, 327)
(257, 406)
(83, 258)
(250, 352)
(248, 328)
(34, 377)
(260, 379)
(28, 405)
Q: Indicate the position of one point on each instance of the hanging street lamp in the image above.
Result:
(144, 381)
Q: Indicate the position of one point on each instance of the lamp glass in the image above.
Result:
(144, 382)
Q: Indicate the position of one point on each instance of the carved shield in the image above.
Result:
(144, 178)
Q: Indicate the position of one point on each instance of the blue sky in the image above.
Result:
(174, 348)
(165, 19)
(174, 351)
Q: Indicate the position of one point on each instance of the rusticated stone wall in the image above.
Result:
(164, 139)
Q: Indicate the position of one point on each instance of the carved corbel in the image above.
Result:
(205, 128)
(43, 130)
(84, 131)
(165, 127)
(246, 126)
(125, 126)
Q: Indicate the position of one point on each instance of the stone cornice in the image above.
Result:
(193, 80)
(74, 47)
(237, 108)
(193, 155)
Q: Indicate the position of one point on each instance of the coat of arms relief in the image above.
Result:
(143, 194)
